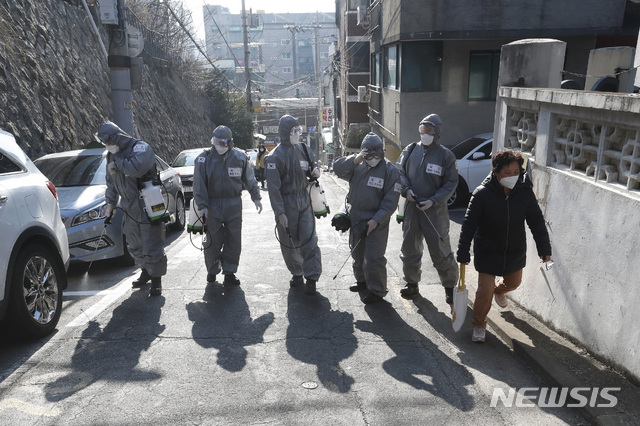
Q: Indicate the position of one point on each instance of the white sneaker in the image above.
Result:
(478, 335)
(501, 300)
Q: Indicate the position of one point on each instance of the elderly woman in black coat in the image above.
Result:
(495, 221)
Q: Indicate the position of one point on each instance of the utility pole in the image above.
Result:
(294, 51)
(247, 70)
(120, 70)
(319, 80)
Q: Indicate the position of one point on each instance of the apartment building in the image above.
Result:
(282, 46)
(434, 56)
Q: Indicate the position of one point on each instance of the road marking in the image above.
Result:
(28, 408)
(95, 309)
(87, 293)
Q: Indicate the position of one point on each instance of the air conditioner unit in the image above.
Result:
(362, 94)
(363, 16)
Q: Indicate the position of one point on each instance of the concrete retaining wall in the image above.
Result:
(55, 88)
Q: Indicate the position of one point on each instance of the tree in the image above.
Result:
(230, 109)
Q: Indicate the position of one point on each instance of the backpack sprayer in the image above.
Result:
(154, 205)
(342, 220)
(195, 224)
(318, 199)
(402, 205)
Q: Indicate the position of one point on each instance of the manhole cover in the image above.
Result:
(309, 385)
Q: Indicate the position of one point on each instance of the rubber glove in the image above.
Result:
(204, 213)
(316, 172)
(372, 224)
(425, 205)
(282, 219)
(108, 210)
(111, 167)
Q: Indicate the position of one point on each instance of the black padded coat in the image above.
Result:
(495, 222)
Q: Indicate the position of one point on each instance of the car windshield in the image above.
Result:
(77, 170)
(464, 147)
(186, 159)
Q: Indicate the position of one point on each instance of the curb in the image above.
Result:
(545, 363)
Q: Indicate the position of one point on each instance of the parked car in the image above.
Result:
(184, 164)
(34, 254)
(474, 164)
(253, 156)
(80, 177)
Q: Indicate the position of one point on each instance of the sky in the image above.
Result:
(269, 6)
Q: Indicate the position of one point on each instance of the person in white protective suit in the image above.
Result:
(219, 177)
(429, 175)
(130, 163)
(288, 169)
(374, 189)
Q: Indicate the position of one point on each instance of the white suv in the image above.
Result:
(34, 253)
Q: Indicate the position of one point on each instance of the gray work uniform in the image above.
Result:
(373, 194)
(431, 172)
(135, 161)
(218, 181)
(286, 167)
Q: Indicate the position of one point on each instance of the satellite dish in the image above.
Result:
(606, 84)
(571, 84)
(136, 42)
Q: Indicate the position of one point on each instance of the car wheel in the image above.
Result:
(179, 223)
(460, 196)
(37, 280)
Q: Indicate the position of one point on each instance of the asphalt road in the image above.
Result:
(261, 353)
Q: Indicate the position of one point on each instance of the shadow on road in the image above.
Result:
(223, 321)
(480, 357)
(103, 355)
(586, 371)
(321, 336)
(418, 356)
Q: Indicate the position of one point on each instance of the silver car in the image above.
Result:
(81, 182)
(185, 165)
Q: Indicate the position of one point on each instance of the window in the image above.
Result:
(353, 4)
(483, 75)
(286, 70)
(391, 67)
(421, 66)
(324, 55)
(286, 55)
(376, 69)
(8, 166)
(285, 41)
(358, 56)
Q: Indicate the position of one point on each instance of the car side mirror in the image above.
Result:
(478, 155)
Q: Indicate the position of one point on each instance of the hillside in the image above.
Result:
(55, 85)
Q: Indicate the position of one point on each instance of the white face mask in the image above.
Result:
(509, 182)
(373, 162)
(425, 139)
(113, 148)
(221, 149)
(294, 138)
